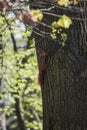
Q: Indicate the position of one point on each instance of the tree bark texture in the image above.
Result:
(64, 94)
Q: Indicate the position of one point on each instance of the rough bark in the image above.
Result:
(64, 93)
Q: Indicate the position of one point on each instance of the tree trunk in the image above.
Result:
(19, 115)
(64, 94)
(2, 88)
(2, 106)
(3, 121)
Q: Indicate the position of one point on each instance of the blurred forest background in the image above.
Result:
(20, 95)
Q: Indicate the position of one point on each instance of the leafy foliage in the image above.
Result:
(66, 2)
(57, 28)
(19, 74)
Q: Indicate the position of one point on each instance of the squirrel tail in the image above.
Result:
(41, 78)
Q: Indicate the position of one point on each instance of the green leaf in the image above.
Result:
(63, 2)
(64, 22)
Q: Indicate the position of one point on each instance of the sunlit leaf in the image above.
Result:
(63, 2)
(64, 22)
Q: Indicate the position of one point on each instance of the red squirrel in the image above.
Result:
(42, 55)
(29, 19)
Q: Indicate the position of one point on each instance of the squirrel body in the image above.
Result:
(42, 55)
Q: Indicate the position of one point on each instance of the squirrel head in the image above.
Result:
(42, 53)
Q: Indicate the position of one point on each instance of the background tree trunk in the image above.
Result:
(64, 93)
(19, 114)
(2, 88)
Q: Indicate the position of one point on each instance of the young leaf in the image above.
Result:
(64, 22)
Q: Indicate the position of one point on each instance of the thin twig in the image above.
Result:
(12, 36)
(59, 16)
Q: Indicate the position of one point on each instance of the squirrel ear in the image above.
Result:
(40, 50)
